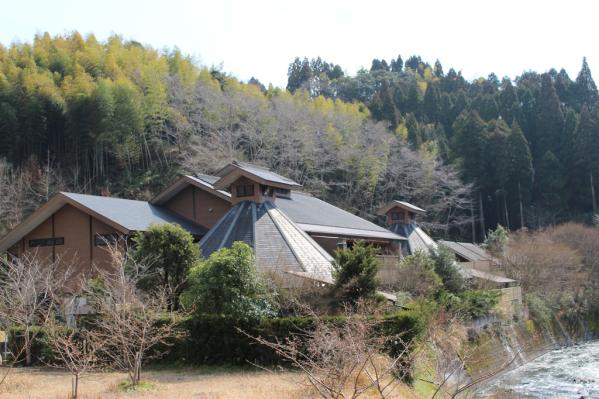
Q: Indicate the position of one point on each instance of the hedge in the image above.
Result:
(216, 340)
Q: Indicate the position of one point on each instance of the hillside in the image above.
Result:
(528, 146)
(120, 118)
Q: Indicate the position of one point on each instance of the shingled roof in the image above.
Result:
(280, 246)
(417, 239)
(261, 174)
(124, 215)
(317, 216)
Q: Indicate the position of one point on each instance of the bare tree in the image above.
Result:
(29, 292)
(135, 326)
(345, 359)
(77, 351)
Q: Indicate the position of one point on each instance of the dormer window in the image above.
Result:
(395, 216)
(245, 190)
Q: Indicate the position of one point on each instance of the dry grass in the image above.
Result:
(50, 384)
(171, 384)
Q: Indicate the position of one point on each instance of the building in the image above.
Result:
(294, 234)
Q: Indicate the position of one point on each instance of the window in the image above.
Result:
(395, 216)
(46, 242)
(282, 193)
(101, 240)
(245, 190)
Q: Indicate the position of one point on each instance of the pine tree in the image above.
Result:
(549, 121)
(587, 149)
(431, 103)
(585, 88)
(519, 167)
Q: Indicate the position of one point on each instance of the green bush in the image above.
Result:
(539, 311)
(216, 340)
(41, 348)
(355, 272)
(168, 252)
(478, 303)
(445, 267)
(227, 284)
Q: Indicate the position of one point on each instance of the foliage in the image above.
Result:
(169, 252)
(116, 117)
(227, 284)
(539, 311)
(417, 275)
(445, 267)
(355, 272)
(478, 303)
(496, 241)
(216, 340)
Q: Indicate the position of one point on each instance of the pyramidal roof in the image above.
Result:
(280, 246)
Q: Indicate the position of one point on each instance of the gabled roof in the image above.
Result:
(203, 182)
(316, 216)
(280, 246)
(469, 251)
(124, 215)
(400, 204)
(262, 175)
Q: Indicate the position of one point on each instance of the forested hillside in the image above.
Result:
(119, 118)
(529, 147)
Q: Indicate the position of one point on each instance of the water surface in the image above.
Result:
(571, 372)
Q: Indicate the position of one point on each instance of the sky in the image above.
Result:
(260, 38)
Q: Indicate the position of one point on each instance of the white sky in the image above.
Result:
(260, 38)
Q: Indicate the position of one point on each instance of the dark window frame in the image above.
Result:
(245, 190)
(46, 242)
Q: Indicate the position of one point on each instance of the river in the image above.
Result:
(571, 372)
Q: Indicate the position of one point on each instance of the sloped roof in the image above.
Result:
(280, 246)
(469, 251)
(401, 204)
(263, 175)
(469, 272)
(204, 182)
(317, 216)
(417, 239)
(133, 215)
(122, 214)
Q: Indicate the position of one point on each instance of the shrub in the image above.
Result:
(496, 241)
(539, 311)
(417, 275)
(479, 303)
(215, 339)
(445, 267)
(168, 251)
(227, 284)
(355, 272)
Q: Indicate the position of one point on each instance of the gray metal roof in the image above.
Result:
(280, 246)
(206, 178)
(261, 172)
(469, 251)
(316, 216)
(417, 239)
(131, 214)
(208, 181)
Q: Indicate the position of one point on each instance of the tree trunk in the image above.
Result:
(521, 207)
(482, 215)
(473, 222)
(507, 215)
(75, 386)
(593, 193)
(27, 340)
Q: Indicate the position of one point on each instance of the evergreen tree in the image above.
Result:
(431, 103)
(550, 119)
(585, 88)
(551, 181)
(397, 64)
(520, 167)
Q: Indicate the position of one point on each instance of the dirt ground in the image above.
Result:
(171, 384)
